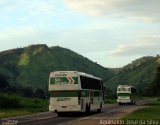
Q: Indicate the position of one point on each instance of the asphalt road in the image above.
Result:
(48, 118)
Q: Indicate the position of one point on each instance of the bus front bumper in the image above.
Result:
(75, 108)
(123, 100)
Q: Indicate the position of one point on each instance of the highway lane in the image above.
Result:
(55, 120)
(48, 118)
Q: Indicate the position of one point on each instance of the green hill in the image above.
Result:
(140, 73)
(31, 66)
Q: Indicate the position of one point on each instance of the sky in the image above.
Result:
(111, 33)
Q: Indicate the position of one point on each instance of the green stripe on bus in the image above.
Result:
(64, 80)
(64, 93)
(73, 93)
(123, 94)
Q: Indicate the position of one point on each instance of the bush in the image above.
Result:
(18, 103)
(7, 101)
(3, 81)
(158, 99)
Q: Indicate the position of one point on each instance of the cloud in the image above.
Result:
(143, 46)
(20, 36)
(39, 6)
(14, 33)
(146, 10)
(23, 36)
(29, 7)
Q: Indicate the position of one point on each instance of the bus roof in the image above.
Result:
(79, 73)
(125, 86)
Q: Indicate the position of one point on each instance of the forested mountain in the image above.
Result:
(30, 66)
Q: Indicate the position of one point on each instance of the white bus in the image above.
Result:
(73, 91)
(126, 94)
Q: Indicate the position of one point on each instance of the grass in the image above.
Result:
(151, 112)
(13, 105)
(110, 100)
(5, 113)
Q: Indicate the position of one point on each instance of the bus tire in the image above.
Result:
(87, 108)
(100, 108)
(120, 103)
(60, 114)
(131, 103)
(134, 103)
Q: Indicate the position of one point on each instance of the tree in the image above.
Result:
(27, 92)
(4, 81)
(155, 86)
(39, 93)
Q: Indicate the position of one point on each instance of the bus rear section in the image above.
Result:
(63, 88)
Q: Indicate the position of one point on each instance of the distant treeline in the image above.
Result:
(153, 89)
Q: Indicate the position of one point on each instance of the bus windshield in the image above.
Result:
(124, 89)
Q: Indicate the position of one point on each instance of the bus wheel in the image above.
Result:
(134, 103)
(120, 103)
(87, 108)
(100, 108)
(131, 103)
(60, 114)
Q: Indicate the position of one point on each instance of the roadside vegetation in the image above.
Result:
(110, 100)
(13, 105)
(149, 113)
(16, 101)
